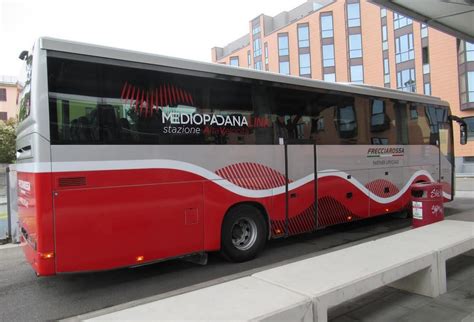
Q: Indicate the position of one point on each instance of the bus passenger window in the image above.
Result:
(294, 115)
(418, 125)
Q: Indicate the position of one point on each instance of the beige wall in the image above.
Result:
(10, 105)
(372, 44)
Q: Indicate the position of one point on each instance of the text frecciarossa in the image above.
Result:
(386, 150)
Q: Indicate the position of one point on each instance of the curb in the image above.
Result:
(8, 246)
(464, 194)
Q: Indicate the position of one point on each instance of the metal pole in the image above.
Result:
(9, 216)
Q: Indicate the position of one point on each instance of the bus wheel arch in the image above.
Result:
(244, 231)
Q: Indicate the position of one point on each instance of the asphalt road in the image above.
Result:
(23, 296)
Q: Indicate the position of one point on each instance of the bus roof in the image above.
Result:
(72, 47)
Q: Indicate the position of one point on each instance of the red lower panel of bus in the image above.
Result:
(118, 218)
(36, 220)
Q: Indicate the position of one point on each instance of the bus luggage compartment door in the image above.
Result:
(300, 161)
(109, 227)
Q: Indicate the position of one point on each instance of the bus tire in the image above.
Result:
(244, 233)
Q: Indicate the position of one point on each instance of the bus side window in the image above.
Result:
(338, 120)
(385, 122)
(295, 116)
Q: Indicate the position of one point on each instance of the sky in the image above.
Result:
(184, 28)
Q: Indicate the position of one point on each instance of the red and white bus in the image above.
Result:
(126, 158)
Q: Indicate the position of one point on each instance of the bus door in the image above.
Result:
(446, 157)
(301, 193)
(340, 187)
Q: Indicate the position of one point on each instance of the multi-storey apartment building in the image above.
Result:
(9, 89)
(358, 41)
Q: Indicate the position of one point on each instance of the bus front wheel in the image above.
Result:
(243, 233)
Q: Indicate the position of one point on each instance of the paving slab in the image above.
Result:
(435, 312)
(455, 306)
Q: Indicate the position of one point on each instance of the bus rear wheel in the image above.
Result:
(244, 233)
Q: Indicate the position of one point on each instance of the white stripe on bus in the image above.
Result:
(78, 166)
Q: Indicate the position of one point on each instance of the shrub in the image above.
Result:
(7, 141)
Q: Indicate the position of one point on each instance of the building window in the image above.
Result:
(400, 21)
(424, 30)
(379, 120)
(257, 48)
(466, 83)
(328, 55)
(258, 65)
(470, 87)
(346, 121)
(327, 29)
(466, 74)
(469, 51)
(234, 61)
(427, 88)
(3, 94)
(265, 46)
(386, 70)
(3, 116)
(413, 112)
(470, 127)
(285, 67)
(357, 74)
(383, 12)
(249, 58)
(256, 29)
(305, 65)
(283, 45)
(331, 77)
(384, 38)
(355, 46)
(303, 36)
(425, 55)
(404, 48)
(406, 80)
(425, 60)
(353, 15)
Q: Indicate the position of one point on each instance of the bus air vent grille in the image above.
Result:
(72, 181)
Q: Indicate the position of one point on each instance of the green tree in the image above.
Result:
(7, 141)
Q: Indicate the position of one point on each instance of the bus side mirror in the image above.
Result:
(23, 55)
(462, 128)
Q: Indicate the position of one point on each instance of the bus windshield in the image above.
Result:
(25, 94)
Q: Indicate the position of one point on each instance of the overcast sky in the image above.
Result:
(184, 28)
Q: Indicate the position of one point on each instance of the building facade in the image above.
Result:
(9, 90)
(358, 41)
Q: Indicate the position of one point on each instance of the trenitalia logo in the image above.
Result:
(175, 118)
(385, 152)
